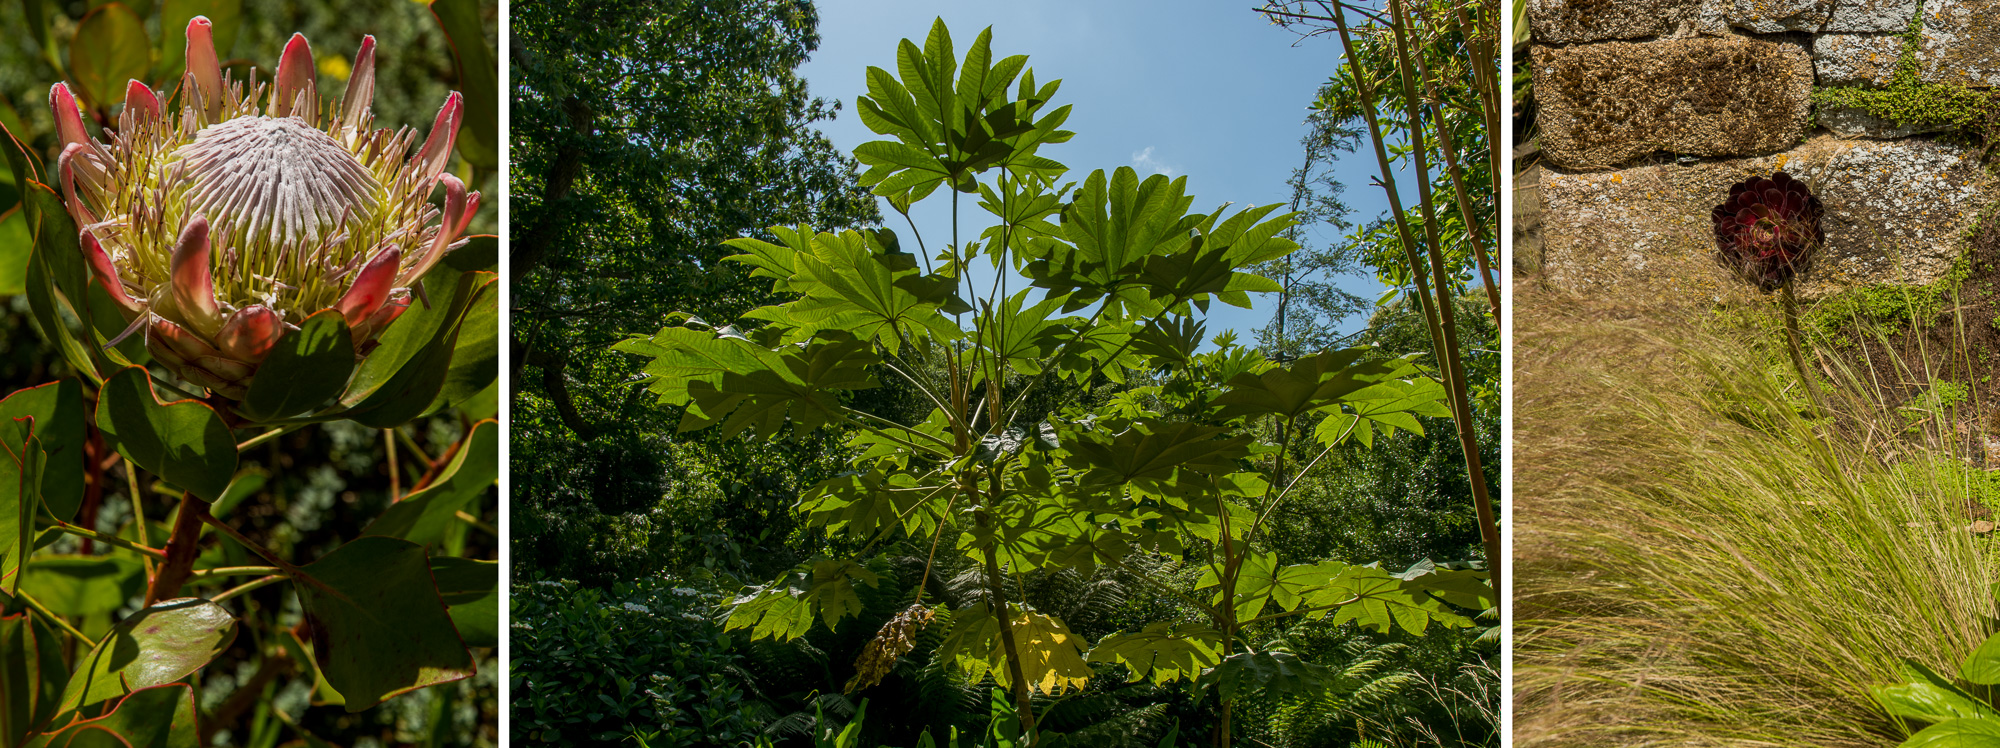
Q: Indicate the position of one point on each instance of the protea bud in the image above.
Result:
(221, 226)
(1768, 229)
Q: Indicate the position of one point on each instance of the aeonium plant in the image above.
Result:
(1767, 233)
(227, 262)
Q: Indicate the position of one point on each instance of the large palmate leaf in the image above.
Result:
(155, 717)
(1372, 597)
(681, 357)
(1053, 531)
(870, 504)
(1312, 382)
(379, 627)
(785, 609)
(1051, 657)
(183, 442)
(1210, 265)
(1274, 674)
(155, 646)
(1024, 338)
(1108, 232)
(832, 590)
(1259, 579)
(854, 282)
(1155, 455)
(804, 389)
(1387, 406)
(778, 610)
(1163, 652)
(948, 127)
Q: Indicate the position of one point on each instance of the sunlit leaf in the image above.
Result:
(155, 646)
(1163, 652)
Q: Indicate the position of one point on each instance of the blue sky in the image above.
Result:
(1208, 90)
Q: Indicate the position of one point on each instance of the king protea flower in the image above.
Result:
(1768, 229)
(219, 227)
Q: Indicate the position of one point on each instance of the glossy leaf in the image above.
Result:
(423, 516)
(475, 358)
(21, 465)
(57, 408)
(32, 674)
(1983, 665)
(477, 72)
(79, 586)
(308, 368)
(1163, 652)
(155, 717)
(1930, 697)
(1958, 733)
(471, 589)
(155, 646)
(183, 442)
(404, 374)
(379, 627)
(109, 49)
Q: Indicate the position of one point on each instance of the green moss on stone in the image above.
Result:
(1909, 101)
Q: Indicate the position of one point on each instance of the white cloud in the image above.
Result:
(1144, 161)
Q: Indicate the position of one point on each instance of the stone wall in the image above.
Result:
(1651, 109)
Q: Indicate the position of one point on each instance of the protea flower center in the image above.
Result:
(276, 180)
(224, 225)
(1768, 229)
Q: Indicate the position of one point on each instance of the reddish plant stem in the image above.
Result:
(93, 488)
(183, 546)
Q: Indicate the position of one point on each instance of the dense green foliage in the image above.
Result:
(645, 134)
(800, 543)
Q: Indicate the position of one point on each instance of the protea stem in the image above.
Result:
(183, 547)
(1798, 358)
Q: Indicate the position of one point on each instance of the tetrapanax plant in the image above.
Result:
(1117, 270)
(1768, 229)
(1767, 232)
(219, 227)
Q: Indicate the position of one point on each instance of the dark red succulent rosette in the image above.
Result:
(1768, 229)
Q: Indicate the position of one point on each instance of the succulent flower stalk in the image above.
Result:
(218, 227)
(1768, 229)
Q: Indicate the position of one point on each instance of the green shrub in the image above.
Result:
(641, 659)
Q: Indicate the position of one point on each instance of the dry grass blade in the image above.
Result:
(1699, 564)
